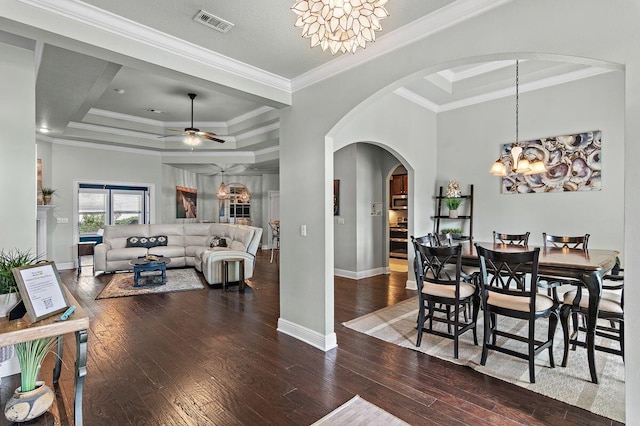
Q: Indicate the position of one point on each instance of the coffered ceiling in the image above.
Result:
(94, 99)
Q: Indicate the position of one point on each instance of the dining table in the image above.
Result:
(586, 266)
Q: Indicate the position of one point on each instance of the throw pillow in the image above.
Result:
(147, 242)
(159, 240)
(136, 242)
(218, 242)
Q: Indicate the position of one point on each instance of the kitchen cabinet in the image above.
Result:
(399, 185)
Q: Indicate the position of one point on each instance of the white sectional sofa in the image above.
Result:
(186, 244)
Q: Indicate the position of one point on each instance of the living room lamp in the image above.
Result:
(519, 164)
(223, 191)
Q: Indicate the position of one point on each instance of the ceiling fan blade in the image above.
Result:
(210, 136)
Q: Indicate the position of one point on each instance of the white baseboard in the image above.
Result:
(360, 274)
(411, 285)
(62, 266)
(313, 338)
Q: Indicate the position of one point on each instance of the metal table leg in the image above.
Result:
(81, 372)
(58, 366)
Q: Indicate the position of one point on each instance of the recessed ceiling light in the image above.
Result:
(156, 111)
(119, 91)
(44, 130)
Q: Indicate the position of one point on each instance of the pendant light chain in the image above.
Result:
(517, 97)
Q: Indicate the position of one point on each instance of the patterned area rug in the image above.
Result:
(121, 285)
(397, 324)
(359, 412)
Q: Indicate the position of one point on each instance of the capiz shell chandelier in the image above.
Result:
(340, 25)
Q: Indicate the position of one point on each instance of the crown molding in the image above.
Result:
(269, 150)
(103, 147)
(125, 117)
(249, 115)
(111, 130)
(106, 21)
(417, 99)
(526, 87)
(498, 94)
(258, 131)
(446, 17)
(480, 69)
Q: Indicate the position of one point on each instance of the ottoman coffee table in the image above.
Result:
(149, 271)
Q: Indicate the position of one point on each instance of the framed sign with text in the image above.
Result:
(41, 290)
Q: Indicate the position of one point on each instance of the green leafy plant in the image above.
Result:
(454, 231)
(47, 191)
(9, 260)
(453, 203)
(30, 356)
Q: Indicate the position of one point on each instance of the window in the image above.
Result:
(100, 205)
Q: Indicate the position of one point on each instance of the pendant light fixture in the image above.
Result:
(223, 192)
(519, 164)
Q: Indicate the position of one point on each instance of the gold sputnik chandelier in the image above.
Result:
(340, 25)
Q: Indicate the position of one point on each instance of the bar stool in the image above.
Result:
(275, 238)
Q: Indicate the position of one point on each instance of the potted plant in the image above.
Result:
(8, 287)
(453, 204)
(453, 199)
(46, 194)
(33, 397)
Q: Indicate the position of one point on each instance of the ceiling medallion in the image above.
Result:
(340, 25)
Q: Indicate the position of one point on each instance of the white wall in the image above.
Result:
(469, 140)
(18, 148)
(345, 235)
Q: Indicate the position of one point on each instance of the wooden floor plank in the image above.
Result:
(210, 357)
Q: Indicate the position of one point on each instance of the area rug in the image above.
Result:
(359, 412)
(397, 324)
(121, 285)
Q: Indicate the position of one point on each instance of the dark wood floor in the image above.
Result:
(205, 357)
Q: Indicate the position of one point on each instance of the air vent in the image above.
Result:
(213, 21)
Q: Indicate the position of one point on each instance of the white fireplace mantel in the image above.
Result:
(41, 230)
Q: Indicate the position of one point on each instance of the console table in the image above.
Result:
(22, 330)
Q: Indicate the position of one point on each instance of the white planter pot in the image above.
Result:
(453, 214)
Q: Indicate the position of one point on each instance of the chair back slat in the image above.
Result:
(511, 239)
(509, 273)
(558, 241)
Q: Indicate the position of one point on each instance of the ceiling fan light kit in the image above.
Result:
(340, 25)
(193, 136)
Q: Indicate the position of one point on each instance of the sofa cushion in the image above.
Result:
(167, 251)
(126, 253)
(174, 232)
(243, 235)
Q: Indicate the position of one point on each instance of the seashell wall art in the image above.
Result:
(573, 164)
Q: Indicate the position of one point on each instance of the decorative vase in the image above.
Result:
(46, 199)
(453, 214)
(25, 406)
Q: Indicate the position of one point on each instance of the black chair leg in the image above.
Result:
(565, 311)
(553, 324)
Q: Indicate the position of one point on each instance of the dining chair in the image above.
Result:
(611, 309)
(438, 240)
(439, 283)
(512, 239)
(499, 272)
(275, 239)
(551, 282)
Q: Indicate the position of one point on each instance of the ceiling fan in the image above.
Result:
(192, 134)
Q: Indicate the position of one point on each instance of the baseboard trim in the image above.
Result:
(411, 285)
(360, 274)
(313, 338)
(66, 265)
